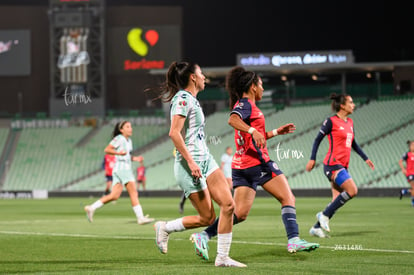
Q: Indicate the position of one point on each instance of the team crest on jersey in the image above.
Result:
(275, 166)
(182, 103)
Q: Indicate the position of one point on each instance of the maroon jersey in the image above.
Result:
(109, 164)
(409, 159)
(340, 135)
(141, 173)
(247, 153)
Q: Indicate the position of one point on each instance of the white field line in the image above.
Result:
(179, 239)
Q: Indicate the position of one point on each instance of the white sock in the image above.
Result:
(174, 226)
(97, 204)
(223, 244)
(138, 211)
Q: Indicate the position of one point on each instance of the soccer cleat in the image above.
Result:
(401, 193)
(145, 220)
(161, 237)
(323, 221)
(89, 213)
(228, 262)
(297, 245)
(318, 232)
(200, 241)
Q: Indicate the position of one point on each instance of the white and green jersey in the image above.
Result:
(120, 144)
(185, 104)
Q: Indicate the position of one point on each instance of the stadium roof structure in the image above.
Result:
(302, 63)
(220, 72)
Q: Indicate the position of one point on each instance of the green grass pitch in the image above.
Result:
(53, 236)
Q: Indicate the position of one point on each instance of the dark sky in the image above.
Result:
(215, 31)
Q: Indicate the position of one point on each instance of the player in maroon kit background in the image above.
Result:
(340, 131)
(408, 170)
(108, 165)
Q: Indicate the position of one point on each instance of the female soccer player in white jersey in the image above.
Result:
(195, 169)
(121, 147)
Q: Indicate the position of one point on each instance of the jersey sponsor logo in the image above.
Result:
(262, 174)
(348, 140)
(341, 128)
(259, 114)
(240, 151)
(240, 105)
(183, 95)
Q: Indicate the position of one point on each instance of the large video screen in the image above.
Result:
(14, 52)
(141, 48)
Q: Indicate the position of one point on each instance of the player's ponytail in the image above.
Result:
(118, 127)
(238, 81)
(337, 101)
(177, 77)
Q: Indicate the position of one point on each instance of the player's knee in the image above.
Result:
(207, 220)
(288, 200)
(114, 196)
(228, 207)
(353, 191)
(241, 218)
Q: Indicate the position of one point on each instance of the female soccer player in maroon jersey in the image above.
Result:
(408, 170)
(339, 129)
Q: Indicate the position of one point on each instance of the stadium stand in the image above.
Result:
(4, 132)
(55, 159)
(52, 158)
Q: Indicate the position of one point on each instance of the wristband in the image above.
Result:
(274, 132)
(251, 130)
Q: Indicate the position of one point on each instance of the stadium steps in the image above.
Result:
(385, 152)
(148, 132)
(8, 143)
(45, 158)
(86, 138)
(157, 149)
